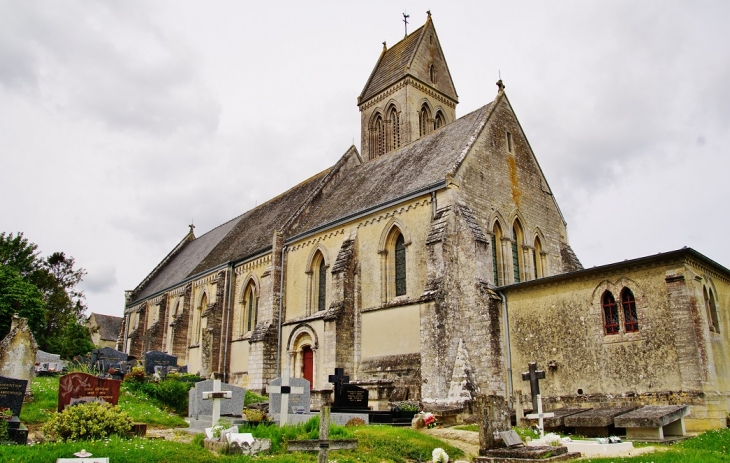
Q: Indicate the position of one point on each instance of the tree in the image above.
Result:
(44, 291)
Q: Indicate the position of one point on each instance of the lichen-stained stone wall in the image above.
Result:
(500, 180)
(673, 358)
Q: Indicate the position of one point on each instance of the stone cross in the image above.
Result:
(540, 416)
(533, 376)
(216, 395)
(338, 379)
(285, 390)
(323, 445)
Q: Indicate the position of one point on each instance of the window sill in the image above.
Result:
(622, 337)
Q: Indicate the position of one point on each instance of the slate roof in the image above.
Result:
(392, 65)
(354, 190)
(109, 326)
(398, 174)
(241, 237)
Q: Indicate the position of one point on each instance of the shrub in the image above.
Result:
(170, 393)
(3, 430)
(253, 398)
(184, 377)
(254, 415)
(408, 407)
(87, 421)
(355, 422)
(136, 375)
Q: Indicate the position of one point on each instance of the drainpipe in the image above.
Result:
(507, 342)
(281, 301)
(228, 323)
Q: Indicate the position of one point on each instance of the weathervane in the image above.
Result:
(405, 21)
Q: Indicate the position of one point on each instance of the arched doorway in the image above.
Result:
(308, 365)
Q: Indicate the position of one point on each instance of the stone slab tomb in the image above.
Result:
(597, 422)
(86, 387)
(654, 423)
(155, 358)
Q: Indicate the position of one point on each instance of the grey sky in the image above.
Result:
(120, 122)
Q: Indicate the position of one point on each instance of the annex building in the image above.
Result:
(435, 260)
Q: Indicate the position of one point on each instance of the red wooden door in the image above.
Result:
(308, 365)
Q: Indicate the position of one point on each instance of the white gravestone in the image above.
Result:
(285, 389)
(216, 395)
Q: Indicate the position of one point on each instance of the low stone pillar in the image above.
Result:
(493, 414)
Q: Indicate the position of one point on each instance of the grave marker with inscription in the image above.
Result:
(78, 385)
(155, 358)
(12, 392)
(288, 394)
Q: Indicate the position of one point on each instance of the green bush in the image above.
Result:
(87, 421)
(170, 393)
(4, 430)
(253, 398)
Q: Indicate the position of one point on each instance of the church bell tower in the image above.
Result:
(409, 94)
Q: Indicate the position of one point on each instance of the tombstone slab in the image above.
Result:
(351, 397)
(12, 392)
(155, 358)
(597, 422)
(78, 385)
(197, 406)
(299, 401)
(653, 422)
(105, 358)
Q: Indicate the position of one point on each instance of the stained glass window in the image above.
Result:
(400, 266)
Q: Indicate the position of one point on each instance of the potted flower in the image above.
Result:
(6, 414)
(406, 409)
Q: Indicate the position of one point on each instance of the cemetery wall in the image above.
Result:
(559, 323)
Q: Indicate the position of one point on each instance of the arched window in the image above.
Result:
(321, 285)
(631, 320)
(250, 308)
(711, 309)
(497, 253)
(439, 121)
(610, 313)
(377, 136)
(197, 319)
(432, 73)
(537, 258)
(516, 241)
(394, 128)
(424, 116)
(400, 266)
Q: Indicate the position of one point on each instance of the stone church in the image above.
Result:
(436, 261)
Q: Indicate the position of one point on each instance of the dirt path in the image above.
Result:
(467, 441)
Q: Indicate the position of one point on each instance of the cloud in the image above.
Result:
(106, 62)
(101, 277)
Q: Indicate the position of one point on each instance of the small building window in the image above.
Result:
(711, 308)
(394, 128)
(516, 240)
(509, 142)
(432, 73)
(497, 253)
(322, 286)
(537, 259)
(631, 320)
(400, 266)
(610, 313)
(439, 121)
(424, 116)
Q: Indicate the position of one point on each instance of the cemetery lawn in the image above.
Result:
(140, 408)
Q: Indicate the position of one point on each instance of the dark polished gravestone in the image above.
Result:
(105, 358)
(79, 385)
(12, 392)
(155, 358)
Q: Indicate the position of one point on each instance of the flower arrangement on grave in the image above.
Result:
(254, 415)
(408, 407)
(5, 413)
(439, 455)
(429, 420)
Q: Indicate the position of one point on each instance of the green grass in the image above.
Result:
(468, 427)
(139, 407)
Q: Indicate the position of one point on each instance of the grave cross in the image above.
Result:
(285, 390)
(533, 376)
(323, 445)
(338, 379)
(216, 395)
(540, 416)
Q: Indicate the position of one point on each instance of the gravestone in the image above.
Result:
(17, 352)
(198, 407)
(298, 401)
(540, 416)
(155, 358)
(80, 385)
(12, 392)
(107, 358)
(533, 376)
(347, 396)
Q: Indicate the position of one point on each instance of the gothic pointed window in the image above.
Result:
(400, 266)
(432, 73)
(322, 285)
(439, 121)
(497, 253)
(537, 259)
(628, 303)
(249, 314)
(394, 128)
(610, 313)
(424, 118)
(711, 308)
(516, 241)
(197, 319)
(377, 137)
